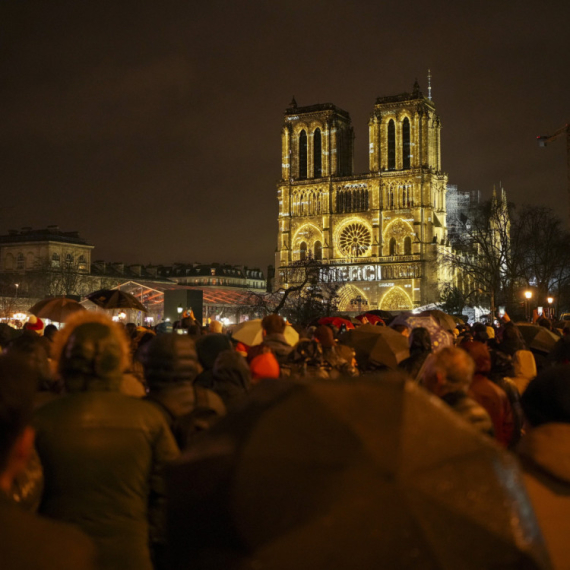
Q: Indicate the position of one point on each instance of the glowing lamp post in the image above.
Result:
(528, 296)
(179, 310)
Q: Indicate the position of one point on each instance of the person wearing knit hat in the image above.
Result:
(545, 455)
(264, 366)
(35, 325)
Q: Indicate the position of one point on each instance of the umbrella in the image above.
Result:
(537, 337)
(115, 299)
(372, 319)
(251, 333)
(444, 320)
(377, 345)
(56, 308)
(439, 337)
(385, 315)
(349, 474)
(336, 322)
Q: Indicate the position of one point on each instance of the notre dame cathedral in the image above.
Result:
(384, 232)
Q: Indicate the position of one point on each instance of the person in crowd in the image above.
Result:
(264, 366)
(448, 374)
(103, 452)
(216, 327)
(273, 338)
(306, 360)
(49, 334)
(502, 373)
(231, 378)
(26, 540)
(545, 455)
(402, 329)
(524, 362)
(419, 342)
(334, 356)
(488, 394)
(208, 347)
(170, 366)
(34, 326)
(560, 354)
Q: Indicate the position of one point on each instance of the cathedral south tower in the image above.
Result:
(383, 231)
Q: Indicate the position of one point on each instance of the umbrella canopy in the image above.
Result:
(350, 474)
(370, 318)
(377, 345)
(444, 320)
(115, 299)
(439, 337)
(56, 309)
(537, 337)
(336, 322)
(385, 315)
(251, 333)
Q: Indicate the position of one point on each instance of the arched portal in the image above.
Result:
(396, 299)
(352, 298)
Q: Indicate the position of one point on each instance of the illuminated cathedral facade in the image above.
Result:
(382, 232)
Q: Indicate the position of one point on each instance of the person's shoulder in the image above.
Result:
(31, 541)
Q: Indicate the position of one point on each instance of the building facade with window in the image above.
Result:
(383, 231)
(32, 250)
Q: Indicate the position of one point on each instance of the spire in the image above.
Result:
(293, 103)
(494, 198)
(429, 84)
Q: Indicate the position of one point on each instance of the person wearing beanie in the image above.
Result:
(103, 452)
(216, 327)
(264, 366)
(34, 325)
(545, 455)
(208, 347)
(170, 364)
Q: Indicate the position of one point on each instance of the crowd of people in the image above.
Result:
(95, 415)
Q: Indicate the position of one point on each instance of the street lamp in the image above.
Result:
(17, 287)
(179, 309)
(528, 295)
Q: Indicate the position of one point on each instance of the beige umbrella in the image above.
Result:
(251, 333)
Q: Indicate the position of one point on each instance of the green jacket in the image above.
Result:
(103, 455)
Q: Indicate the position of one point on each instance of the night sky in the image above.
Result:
(153, 128)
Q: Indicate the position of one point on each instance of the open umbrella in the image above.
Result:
(349, 474)
(336, 322)
(251, 333)
(439, 337)
(537, 337)
(56, 309)
(444, 320)
(370, 318)
(377, 345)
(115, 299)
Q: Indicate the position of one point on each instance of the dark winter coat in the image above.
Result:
(103, 455)
(470, 411)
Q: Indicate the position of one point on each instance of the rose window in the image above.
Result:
(354, 240)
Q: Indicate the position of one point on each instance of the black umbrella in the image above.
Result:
(56, 309)
(377, 345)
(115, 299)
(349, 474)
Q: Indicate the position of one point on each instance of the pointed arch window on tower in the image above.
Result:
(406, 147)
(303, 155)
(393, 246)
(317, 154)
(391, 146)
(318, 251)
(408, 245)
(303, 251)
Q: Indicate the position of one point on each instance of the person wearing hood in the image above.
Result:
(170, 367)
(103, 452)
(419, 342)
(208, 348)
(545, 455)
(231, 378)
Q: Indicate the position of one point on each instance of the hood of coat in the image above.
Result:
(548, 447)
